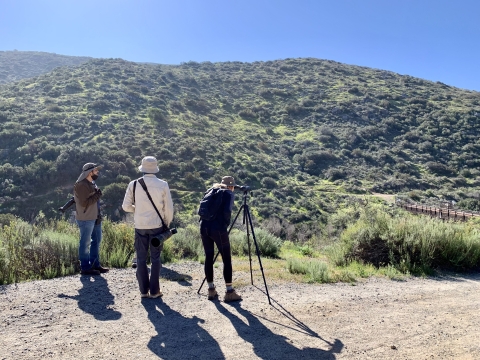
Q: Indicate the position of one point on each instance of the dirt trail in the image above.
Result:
(104, 318)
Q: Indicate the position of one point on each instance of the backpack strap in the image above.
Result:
(134, 188)
(144, 186)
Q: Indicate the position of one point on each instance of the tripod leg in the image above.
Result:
(245, 222)
(258, 253)
(205, 278)
(215, 258)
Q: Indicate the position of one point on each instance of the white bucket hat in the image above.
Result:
(149, 165)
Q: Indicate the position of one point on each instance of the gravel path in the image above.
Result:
(103, 317)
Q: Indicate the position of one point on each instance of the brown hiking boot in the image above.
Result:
(102, 269)
(90, 272)
(212, 293)
(231, 296)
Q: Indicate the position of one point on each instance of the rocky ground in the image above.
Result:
(103, 317)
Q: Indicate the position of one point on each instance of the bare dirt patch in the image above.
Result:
(387, 197)
(103, 317)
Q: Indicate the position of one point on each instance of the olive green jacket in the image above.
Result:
(86, 198)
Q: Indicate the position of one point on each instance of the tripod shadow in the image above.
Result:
(95, 298)
(268, 345)
(179, 337)
(299, 326)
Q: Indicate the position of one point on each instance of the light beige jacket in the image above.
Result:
(145, 216)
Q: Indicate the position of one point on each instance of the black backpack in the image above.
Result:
(210, 204)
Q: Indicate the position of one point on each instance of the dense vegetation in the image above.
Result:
(309, 135)
(374, 240)
(17, 65)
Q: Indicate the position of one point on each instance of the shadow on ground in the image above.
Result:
(268, 345)
(179, 337)
(172, 275)
(95, 298)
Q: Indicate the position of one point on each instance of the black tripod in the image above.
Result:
(247, 220)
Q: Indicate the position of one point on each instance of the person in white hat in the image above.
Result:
(148, 224)
(87, 196)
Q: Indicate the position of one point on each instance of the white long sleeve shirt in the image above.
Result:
(145, 216)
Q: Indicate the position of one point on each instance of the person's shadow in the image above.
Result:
(95, 298)
(268, 345)
(172, 275)
(179, 337)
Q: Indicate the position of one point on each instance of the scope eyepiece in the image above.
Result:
(242, 188)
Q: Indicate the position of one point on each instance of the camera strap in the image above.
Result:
(144, 186)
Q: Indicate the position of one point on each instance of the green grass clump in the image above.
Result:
(268, 244)
(117, 246)
(411, 244)
(31, 252)
(186, 244)
(314, 269)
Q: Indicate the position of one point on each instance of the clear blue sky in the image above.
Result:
(432, 39)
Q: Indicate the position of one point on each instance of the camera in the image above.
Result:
(67, 205)
(242, 188)
(160, 238)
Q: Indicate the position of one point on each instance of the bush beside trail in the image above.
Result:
(356, 242)
(411, 243)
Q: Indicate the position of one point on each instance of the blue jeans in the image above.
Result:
(90, 239)
(143, 238)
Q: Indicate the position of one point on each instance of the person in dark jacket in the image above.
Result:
(87, 196)
(215, 232)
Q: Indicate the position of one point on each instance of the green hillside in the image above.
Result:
(17, 65)
(305, 133)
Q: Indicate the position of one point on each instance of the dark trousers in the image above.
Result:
(220, 238)
(143, 239)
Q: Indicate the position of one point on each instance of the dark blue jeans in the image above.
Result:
(210, 238)
(90, 239)
(143, 239)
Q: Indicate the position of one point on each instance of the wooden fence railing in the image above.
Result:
(442, 213)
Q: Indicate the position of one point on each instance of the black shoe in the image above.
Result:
(102, 270)
(90, 272)
(134, 265)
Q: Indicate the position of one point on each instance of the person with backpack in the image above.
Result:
(215, 214)
(150, 200)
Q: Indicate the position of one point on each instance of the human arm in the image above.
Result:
(128, 202)
(227, 206)
(167, 205)
(86, 195)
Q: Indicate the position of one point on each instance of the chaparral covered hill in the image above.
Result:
(17, 65)
(304, 133)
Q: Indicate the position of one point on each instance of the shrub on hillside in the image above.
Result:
(269, 182)
(99, 106)
(156, 115)
(438, 168)
(469, 204)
